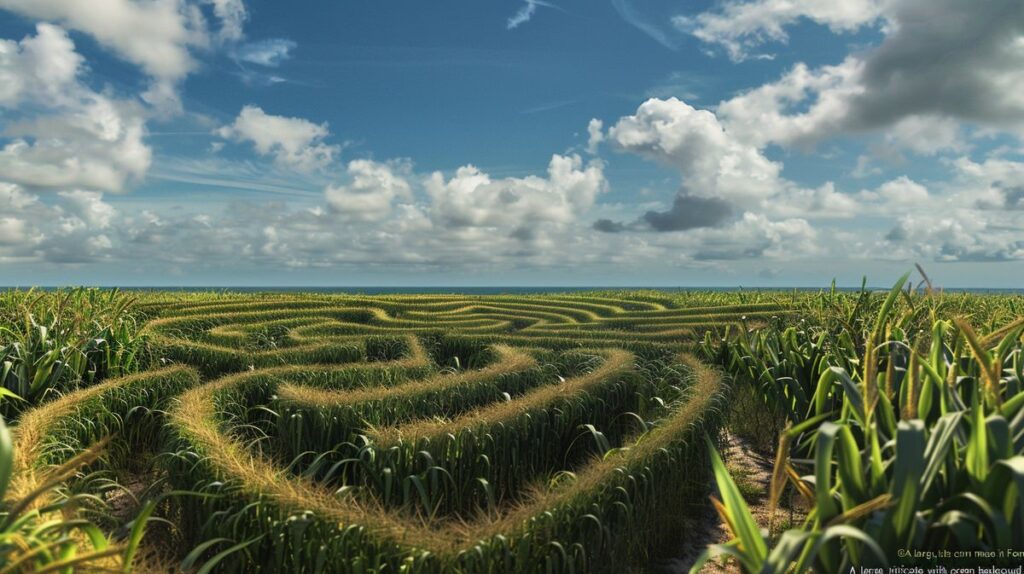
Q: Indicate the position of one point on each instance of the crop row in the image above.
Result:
(410, 434)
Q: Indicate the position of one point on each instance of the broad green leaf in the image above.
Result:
(742, 522)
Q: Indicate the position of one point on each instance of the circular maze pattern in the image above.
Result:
(418, 433)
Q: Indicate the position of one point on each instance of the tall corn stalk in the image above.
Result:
(916, 440)
(55, 342)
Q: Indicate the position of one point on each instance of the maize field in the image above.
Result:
(223, 432)
(309, 433)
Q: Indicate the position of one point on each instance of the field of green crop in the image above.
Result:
(221, 432)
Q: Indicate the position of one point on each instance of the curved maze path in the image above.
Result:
(415, 433)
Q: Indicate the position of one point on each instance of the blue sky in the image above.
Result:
(620, 142)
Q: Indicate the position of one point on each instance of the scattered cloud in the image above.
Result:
(166, 39)
(292, 142)
(900, 85)
(687, 212)
(712, 162)
(77, 230)
(742, 26)
(898, 193)
(232, 15)
(609, 226)
(756, 236)
(159, 37)
(993, 184)
(734, 202)
(43, 65)
(472, 199)
(965, 236)
(375, 217)
(68, 144)
(71, 136)
(865, 167)
(526, 12)
(595, 135)
(156, 36)
(690, 212)
(923, 135)
(269, 53)
(89, 207)
(373, 188)
(974, 218)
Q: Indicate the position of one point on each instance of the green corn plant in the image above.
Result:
(43, 539)
(54, 342)
(920, 452)
(353, 433)
(601, 517)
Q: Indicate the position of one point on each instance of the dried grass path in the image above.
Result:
(754, 472)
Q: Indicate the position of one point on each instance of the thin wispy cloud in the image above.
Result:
(526, 12)
(251, 176)
(254, 78)
(636, 17)
(270, 53)
(254, 58)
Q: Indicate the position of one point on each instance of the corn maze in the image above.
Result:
(409, 433)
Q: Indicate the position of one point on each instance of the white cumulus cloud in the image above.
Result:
(912, 82)
(372, 191)
(712, 162)
(525, 206)
(71, 136)
(741, 26)
(293, 142)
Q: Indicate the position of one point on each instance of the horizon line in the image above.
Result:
(455, 287)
